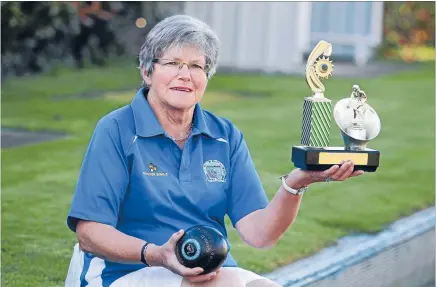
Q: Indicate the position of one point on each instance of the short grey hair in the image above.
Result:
(180, 31)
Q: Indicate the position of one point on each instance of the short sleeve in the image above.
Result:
(246, 193)
(103, 178)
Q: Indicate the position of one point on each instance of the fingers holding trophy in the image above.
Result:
(357, 120)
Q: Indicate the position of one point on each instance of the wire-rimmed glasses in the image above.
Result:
(174, 66)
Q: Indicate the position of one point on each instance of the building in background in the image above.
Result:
(277, 36)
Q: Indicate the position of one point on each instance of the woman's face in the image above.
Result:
(178, 88)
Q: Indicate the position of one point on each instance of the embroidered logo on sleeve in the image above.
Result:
(214, 171)
(153, 171)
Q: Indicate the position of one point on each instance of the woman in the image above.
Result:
(162, 164)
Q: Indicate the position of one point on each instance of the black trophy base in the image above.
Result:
(319, 159)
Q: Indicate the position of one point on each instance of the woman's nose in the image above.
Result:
(184, 72)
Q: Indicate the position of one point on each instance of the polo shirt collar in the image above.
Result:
(147, 124)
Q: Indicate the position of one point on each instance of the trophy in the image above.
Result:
(358, 122)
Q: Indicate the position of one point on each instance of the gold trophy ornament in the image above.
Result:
(357, 120)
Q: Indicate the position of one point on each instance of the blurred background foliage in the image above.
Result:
(43, 36)
(35, 35)
(409, 31)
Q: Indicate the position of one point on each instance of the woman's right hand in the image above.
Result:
(165, 256)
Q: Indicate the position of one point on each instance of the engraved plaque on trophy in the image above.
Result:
(357, 120)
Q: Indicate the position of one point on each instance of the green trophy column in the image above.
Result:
(317, 115)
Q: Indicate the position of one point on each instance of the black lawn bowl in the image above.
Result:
(202, 246)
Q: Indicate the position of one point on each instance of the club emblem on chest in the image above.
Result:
(214, 171)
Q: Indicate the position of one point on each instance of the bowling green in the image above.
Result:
(38, 180)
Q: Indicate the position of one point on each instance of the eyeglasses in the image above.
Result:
(174, 66)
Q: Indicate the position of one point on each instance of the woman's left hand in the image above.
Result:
(300, 178)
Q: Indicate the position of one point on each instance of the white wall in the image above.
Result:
(267, 36)
(275, 36)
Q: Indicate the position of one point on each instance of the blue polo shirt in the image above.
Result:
(135, 178)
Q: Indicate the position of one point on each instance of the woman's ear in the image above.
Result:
(145, 77)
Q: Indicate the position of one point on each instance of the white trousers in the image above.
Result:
(145, 277)
(162, 277)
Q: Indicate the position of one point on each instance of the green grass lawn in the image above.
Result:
(38, 181)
